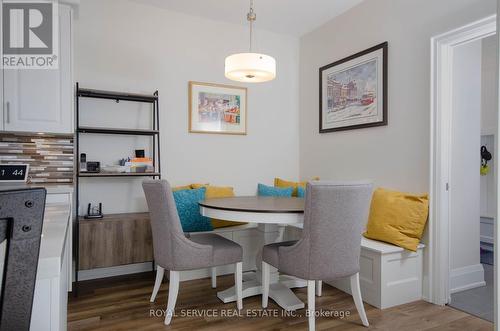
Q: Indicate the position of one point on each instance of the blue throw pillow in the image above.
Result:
(271, 191)
(189, 211)
(301, 192)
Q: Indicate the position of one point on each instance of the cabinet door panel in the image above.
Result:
(40, 100)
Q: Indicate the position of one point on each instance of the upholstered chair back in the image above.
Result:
(335, 216)
(165, 222)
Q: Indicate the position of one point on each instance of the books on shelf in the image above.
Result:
(143, 164)
(136, 165)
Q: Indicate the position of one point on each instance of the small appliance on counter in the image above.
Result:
(14, 173)
(83, 162)
(94, 212)
(93, 167)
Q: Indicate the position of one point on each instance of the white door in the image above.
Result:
(40, 100)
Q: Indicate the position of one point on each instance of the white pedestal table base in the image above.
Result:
(279, 291)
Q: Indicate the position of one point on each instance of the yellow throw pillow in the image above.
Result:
(278, 182)
(214, 192)
(181, 188)
(197, 186)
(397, 218)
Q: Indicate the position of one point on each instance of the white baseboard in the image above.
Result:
(144, 267)
(466, 278)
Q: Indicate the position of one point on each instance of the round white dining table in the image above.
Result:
(265, 211)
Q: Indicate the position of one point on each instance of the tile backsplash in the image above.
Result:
(50, 157)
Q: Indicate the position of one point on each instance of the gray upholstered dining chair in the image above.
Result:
(334, 218)
(175, 252)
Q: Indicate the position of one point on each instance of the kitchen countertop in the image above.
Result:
(54, 188)
(55, 226)
(51, 188)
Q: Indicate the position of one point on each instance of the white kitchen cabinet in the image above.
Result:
(53, 278)
(55, 263)
(41, 100)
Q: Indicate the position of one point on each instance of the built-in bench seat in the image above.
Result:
(389, 276)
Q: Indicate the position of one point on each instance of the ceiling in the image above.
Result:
(293, 17)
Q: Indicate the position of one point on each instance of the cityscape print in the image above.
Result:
(218, 108)
(352, 93)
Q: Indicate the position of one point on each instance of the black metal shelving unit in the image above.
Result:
(154, 133)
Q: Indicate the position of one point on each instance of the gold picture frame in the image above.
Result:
(217, 108)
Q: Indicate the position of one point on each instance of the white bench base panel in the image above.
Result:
(389, 275)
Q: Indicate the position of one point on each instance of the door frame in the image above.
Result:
(442, 48)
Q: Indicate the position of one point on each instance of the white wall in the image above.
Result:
(394, 156)
(397, 155)
(125, 46)
(489, 84)
(464, 178)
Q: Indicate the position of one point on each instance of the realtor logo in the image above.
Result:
(30, 34)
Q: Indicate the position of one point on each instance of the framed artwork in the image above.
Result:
(216, 108)
(353, 91)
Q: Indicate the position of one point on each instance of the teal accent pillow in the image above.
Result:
(271, 191)
(189, 211)
(301, 192)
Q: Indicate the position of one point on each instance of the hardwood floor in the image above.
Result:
(122, 303)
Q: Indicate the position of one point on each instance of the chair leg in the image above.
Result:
(266, 274)
(311, 304)
(159, 278)
(214, 277)
(358, 301)
(238, 280)
(319, 288)
(173, 290)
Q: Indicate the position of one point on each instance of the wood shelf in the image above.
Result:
(118, 174)
(137, 132)
(116, 217)
(116, 239)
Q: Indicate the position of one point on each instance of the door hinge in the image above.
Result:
(447, 186)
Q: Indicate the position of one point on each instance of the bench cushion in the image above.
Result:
(373, 245)
(382, 247)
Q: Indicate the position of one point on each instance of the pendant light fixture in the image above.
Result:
(250, 67)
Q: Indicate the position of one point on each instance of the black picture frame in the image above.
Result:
(384, 46)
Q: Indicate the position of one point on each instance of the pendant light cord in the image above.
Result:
(251, 34)
(251, 17)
